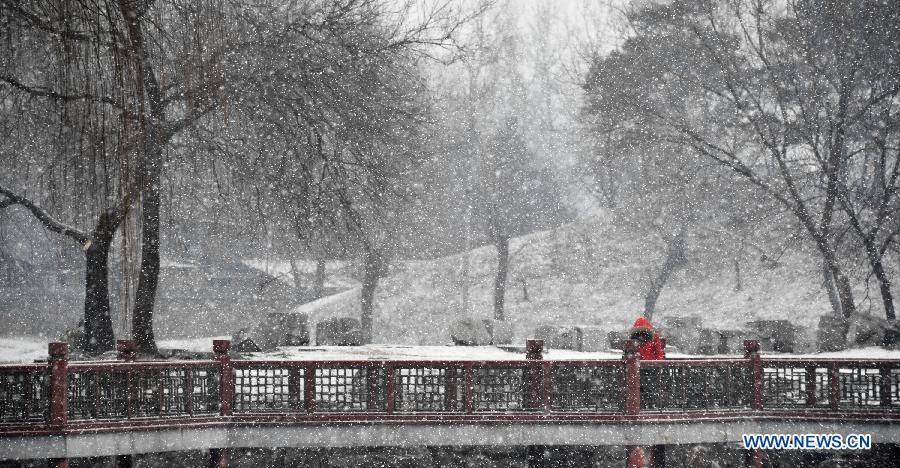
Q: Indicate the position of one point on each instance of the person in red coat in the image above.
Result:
(650, 345)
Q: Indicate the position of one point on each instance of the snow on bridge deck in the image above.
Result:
(29, 349)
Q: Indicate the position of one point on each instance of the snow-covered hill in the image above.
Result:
(586, 273)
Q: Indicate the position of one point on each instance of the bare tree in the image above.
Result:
(183, 64)
(773, 94)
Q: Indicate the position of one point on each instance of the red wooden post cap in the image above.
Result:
(751, 346)
(58, 350)
(221, 347)
(534, 349)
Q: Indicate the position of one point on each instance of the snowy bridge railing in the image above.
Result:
(63, 396)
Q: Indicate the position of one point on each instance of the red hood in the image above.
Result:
(642, 322)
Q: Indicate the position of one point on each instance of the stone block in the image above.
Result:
(804, 342)
(295, 330)
(339, 331)
(591, 338)
(868, 330)
(615, 339)
(774, 335)
(682, 333)
(708, 341)
(556, 337)
(470, 332)
(243, 342)
(731, 341)
(832, 333)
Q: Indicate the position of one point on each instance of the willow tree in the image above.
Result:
(68, 109)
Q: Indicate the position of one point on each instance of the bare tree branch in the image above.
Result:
(51, 223)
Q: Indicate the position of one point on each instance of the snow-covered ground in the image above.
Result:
(22, 349)
(27, 349)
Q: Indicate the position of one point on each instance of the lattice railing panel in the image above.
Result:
(160, 392)
(680, 388)
(420, 389)
(586, 388)
(267, 389)
(98, 394)
(205, 383)
(350, 389)
(859, 387)
(104, 393)
(788, 386)
(23, 395)
(498, 388)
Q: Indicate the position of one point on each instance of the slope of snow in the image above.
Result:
(586, 273)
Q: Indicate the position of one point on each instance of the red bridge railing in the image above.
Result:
(63, 396)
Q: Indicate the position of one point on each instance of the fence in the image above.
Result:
(69, 396)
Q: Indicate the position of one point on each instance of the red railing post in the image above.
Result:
(389, 391)
(751, 352)
(126, 350)
(632, 362)
(635, 457)
(811, 399)
(469, 395)
(885, 385)
(534, 375)
(58, 391)
(547, 387)
(834, 382)
(226, 382)
(295, 389)
(450, 389)
(218, 458)
(309, 388)
(754, 458)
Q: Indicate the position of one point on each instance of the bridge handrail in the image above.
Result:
(61, 394)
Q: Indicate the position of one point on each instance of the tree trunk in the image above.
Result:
(884, 282)
(675, 258)
(373, 267)
(831, 288)
(148, 279)
(502, 272)
(842, 283)
(150, 168)
(319, 281)
(298, 281)
(98, 329)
